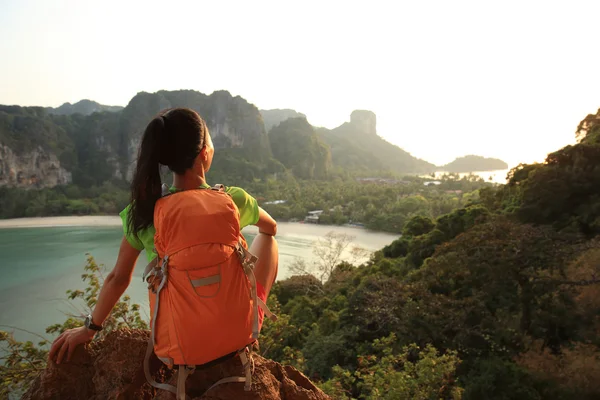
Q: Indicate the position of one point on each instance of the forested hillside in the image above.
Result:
(84, 107)
(496, 300)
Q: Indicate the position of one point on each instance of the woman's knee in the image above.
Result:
(265, 245)
(262, 238)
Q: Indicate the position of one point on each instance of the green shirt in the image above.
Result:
(144, 240)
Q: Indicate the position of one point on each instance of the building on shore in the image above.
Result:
(313, 216)
(276, 202)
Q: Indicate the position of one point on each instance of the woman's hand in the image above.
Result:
(113, 288)
(68, 341)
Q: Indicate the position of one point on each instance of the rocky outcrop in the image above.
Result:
(356, 146)
(113, 369)
(35, 168)
(365, 121)
(232, 121)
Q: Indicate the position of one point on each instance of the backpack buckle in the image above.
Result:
(156, 275)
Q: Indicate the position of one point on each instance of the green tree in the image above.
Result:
(411, 373)
(329, 252)
(418, 225)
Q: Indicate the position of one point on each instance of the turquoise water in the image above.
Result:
(38, 265)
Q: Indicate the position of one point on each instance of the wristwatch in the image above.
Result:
(90, 325)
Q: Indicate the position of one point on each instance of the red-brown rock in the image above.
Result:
(113, 369)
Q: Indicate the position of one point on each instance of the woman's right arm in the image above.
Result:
(113, 288)
(116, 282)
(266, 224)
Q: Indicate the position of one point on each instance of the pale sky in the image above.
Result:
(507, 79)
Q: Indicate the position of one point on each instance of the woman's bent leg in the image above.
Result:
(265, 248)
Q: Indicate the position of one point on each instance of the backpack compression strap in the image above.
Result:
(248, 365)
(248, 261)
(159, 273)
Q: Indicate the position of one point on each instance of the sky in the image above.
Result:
(509, 79)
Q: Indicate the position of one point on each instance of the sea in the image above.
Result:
(38, 264)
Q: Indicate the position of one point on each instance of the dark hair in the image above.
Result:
(173, 138)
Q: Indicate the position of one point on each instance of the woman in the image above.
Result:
(179, 139)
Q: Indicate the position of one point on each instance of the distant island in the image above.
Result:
(472, 163)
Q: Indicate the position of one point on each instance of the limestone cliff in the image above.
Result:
(355, 145)
(364, 121)
(35, 168)
(88, 145)
(113, 369)
(31, 146)
(232, 122)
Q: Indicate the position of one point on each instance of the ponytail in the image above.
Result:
(173, 138)
(146, 183)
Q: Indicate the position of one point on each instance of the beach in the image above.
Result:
(41, 222)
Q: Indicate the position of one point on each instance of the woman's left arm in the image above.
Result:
(113, 288)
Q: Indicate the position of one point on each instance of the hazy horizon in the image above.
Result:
(509, 81)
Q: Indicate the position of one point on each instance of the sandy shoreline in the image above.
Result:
(42, 222)
(289, 229)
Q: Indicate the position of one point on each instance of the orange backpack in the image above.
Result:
(202, 287)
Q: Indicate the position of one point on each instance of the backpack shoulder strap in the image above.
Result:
(221, 188)
(166, 192)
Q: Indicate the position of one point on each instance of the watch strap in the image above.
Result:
(90, 325)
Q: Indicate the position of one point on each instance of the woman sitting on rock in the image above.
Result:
(207, 284)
